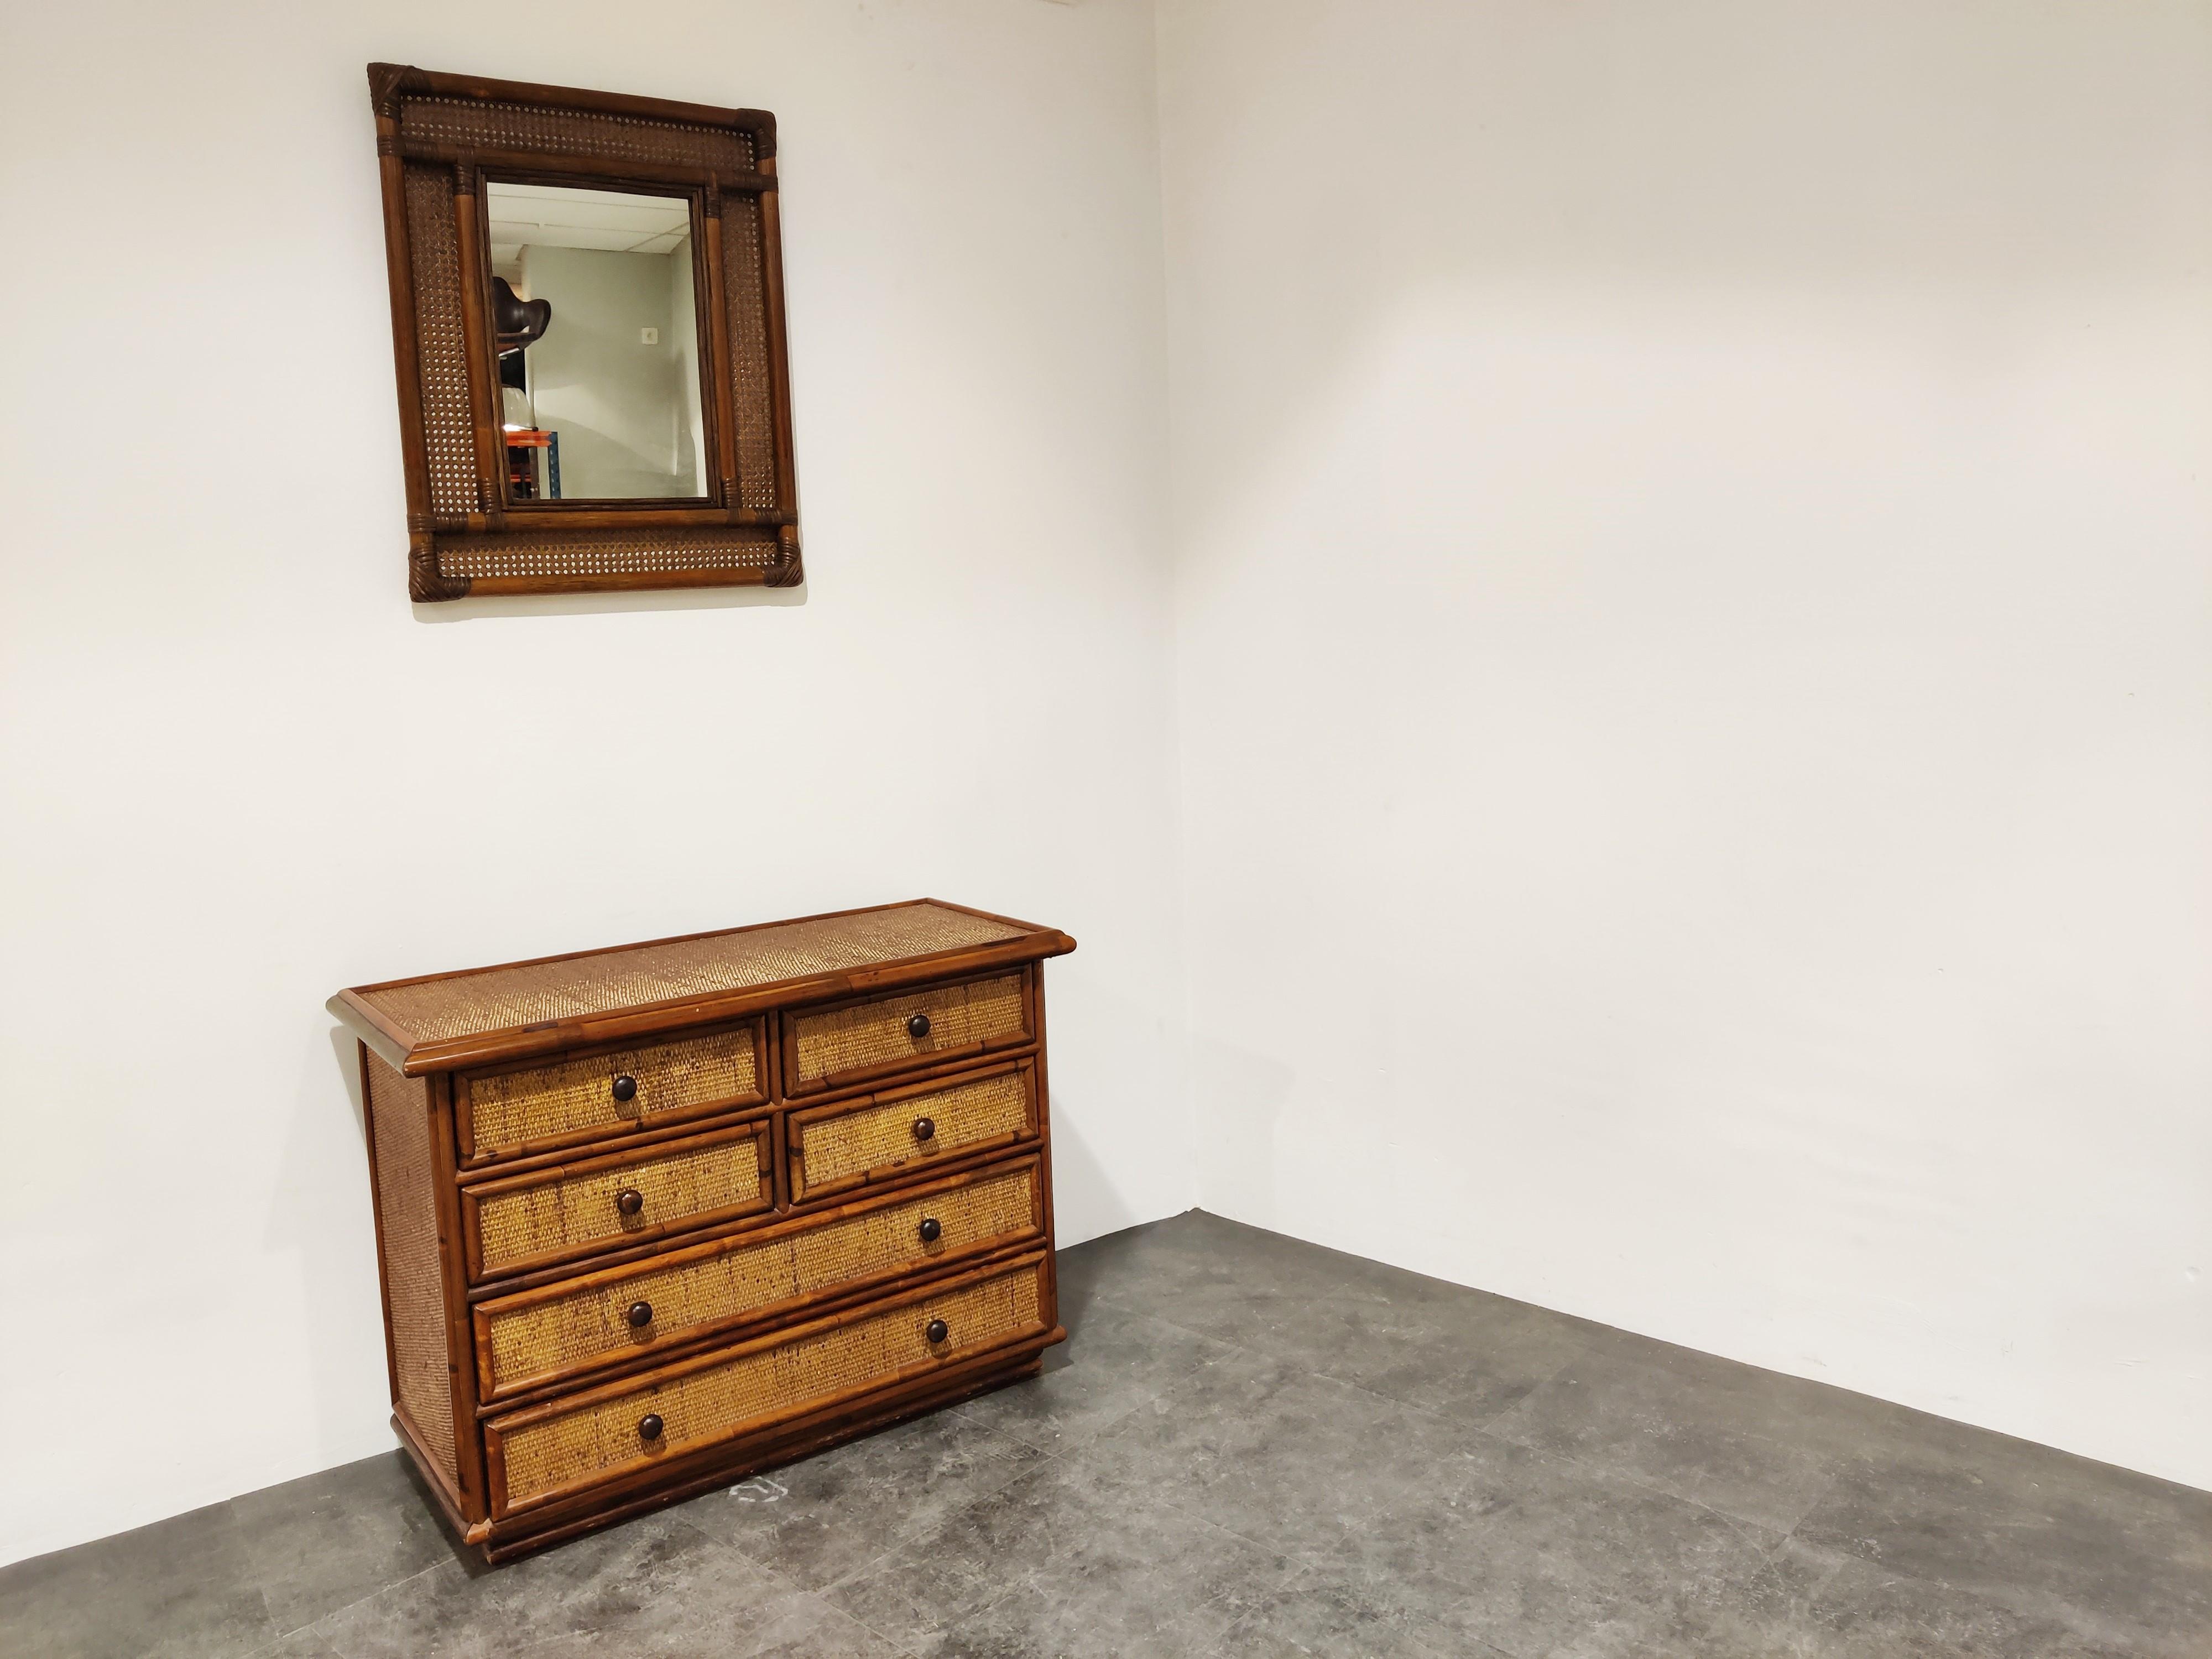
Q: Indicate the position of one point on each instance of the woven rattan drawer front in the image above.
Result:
(837, 1046)
(589, 1096)
(553, 1335)
(573, 1210)
(546, 1452)
(880, 1137)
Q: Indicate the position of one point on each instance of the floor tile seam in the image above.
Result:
(831, 1607)
(1483, 1647)
(316, 1624)
(1434, 1413)
(2047, 1606)
(1550, 1650)
(1244, 1349)
(779, 1581)
(1315, 1570)
(891, 1642)
(1011, 1589)
(1208, 1521)
(537, 1645)
(1190, 1330)
(1463, 1597)
(1835, 1477)
(1063, 1450)
(1479, 1424)
(272, 1647)
(1486, 1647)
(905, 1536)
(1115, 1303)
(2024, 1600)
(1770, 1539)
(1098, 1433)
(269, 1620)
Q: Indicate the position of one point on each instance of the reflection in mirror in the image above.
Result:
(599, 343)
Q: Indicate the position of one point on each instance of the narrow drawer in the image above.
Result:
(883, 1136)
(833, 1047)
(573, 1210)
(583, 1098)
(567, 1330)
(545, 1452)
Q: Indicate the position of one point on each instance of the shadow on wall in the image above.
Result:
(340, 1330)
(599, 605)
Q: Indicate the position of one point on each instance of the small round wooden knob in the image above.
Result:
(639, 1315)
(649, 1426)
(625, 1088)
(925, 1128)
(629, 1200)
(930, 1232)
(918, 1027)
(937, 1330)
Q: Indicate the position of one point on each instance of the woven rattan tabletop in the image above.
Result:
(525, 1008)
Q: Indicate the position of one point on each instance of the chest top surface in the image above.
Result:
(438, 1021)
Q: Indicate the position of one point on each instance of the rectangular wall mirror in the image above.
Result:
(587, 311)
(596, 304)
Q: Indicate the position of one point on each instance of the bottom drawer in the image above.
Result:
(552, 1450)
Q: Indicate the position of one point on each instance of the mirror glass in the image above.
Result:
(599, 343)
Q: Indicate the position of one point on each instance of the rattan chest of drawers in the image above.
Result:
(650, 1219)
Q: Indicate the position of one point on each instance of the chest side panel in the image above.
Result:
(406, 1201)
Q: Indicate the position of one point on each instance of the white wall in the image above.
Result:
(241, 772)
(1689, 655)
(1694, 659)
(615, 401)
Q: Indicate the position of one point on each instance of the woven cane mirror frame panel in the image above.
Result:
(749, 363)
(449, 438)
(470, 123)
(476, 525)
(583, 554)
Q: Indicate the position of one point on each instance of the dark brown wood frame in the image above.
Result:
(439, 137)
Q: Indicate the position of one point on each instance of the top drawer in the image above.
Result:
(830, 1048)
(582, 1097)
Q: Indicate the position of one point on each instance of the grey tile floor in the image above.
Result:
(1250, 1446)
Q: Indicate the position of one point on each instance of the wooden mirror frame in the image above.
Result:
(437, 137)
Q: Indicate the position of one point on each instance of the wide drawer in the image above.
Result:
(833, 1047)
(576, 1209)
(554, 1334)
(546, 1452)
(582, 1097)
(894, 1133)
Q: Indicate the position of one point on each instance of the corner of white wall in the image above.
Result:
(243, 771)
(1692, 674)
